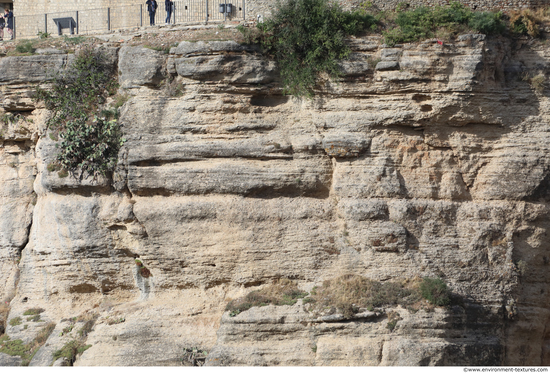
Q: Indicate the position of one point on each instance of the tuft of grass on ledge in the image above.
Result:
(281, 292)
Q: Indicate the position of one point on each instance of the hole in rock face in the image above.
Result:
(24, 300)
(268, 101)
(420, 97)
(426, 108)
(83, 288)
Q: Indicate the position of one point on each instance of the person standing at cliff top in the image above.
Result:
(169, 5)
(152, 9)
(8, 19)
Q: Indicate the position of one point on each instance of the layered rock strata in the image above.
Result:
(423, 160)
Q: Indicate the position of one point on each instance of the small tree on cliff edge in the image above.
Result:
(306, 38)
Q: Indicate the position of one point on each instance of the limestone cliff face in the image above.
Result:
(424, 160)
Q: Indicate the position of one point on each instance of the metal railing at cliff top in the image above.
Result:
(93, 21)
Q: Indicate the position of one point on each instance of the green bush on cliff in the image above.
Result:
(71, 350)
(306, 37)
(435, 291)
(487, 22)
(424, 22)
(89, 142)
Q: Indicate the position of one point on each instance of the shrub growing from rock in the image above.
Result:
(71, 350)
(306, 37)
(89, 142)
(423, 22)
(281, 292)
(435, 291)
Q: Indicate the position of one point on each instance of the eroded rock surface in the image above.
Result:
(431, 163)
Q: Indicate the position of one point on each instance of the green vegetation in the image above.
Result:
(67, 330)
(13, 348)
(89, 142)
(52, 167)
(43, 35)
(26, 351)
(15, 321)
(489, 23)
(74, 39)
(7, 118)
(71, 350)
(347, 294)
(76, 346)
(393, 318)
(35, 318)
(10, 118)
(194, 356)
(33, 311)
(307, 38)
(25, 47)
(424, 22)
(282, 292)
(435, 291)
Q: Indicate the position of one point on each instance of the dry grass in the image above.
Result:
(527, 21)
(4, 310)
(115, 321)
(349, 293)
(43, 335)
(281, 292)
(89, 319)
(538, 82)
(87, 316)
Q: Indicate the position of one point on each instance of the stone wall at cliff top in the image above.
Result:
(424, 160)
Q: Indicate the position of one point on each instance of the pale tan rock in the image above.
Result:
(140, 66)
(435, 168)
